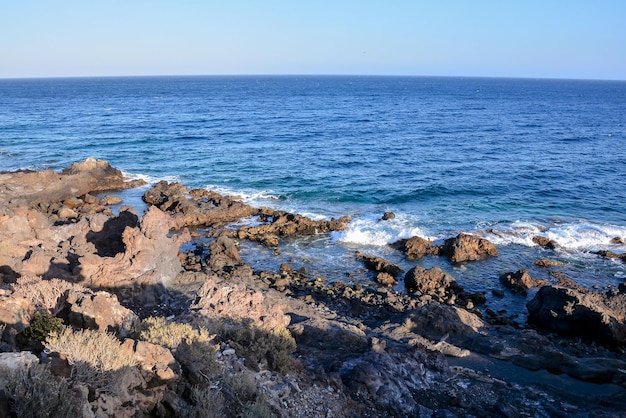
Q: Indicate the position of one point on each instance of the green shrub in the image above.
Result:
(35, 392)
(41, 325)
(256, 344)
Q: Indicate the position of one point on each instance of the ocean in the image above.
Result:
(507, 159)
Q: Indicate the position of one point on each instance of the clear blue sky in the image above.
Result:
(515, 38)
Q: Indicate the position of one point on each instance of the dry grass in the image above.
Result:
(48, 295)
(96, 357)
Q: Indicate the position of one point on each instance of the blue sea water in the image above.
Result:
(505, 158)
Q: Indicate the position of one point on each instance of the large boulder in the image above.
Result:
(466, 247)
(417, 247)
(100, 311)
(428, 281)
(520, 281)
(44, 187)
(579, 312)
(149, 256)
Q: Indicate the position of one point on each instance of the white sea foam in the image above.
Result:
(149, 179)
(371, 230)
(246, 196)
(574, 236)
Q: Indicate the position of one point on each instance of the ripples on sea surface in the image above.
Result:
(506, 158)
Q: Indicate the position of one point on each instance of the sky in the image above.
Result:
(530, 38)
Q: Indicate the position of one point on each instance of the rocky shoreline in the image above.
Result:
(204, 334)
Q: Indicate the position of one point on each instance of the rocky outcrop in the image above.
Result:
(100, 311)
(520, 281)
(386, 272)
(27, 188)
(283, 224)
(196, 207)
(238, 301)
(465, 247)
(149, 256)
(428, 281)
(599, 316)
(417, 247)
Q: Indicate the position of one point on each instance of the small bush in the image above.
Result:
(207, 403)
(48, 295)
(257, 409)
(157, 330)
(256, 344)
(35, 392)
(191, 346)
(96, 357)
(43, 324)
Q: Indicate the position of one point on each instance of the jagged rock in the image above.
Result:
(417, 247)
(545, 242)
(197, 208)
(110, 200)
(238, 301)
(15, 311)
(580, 312)
(157, 363)
(224, 253)
(386, 279)
(443, 321)
(149, 256)
(465, 247)
(392, 380)
(44, 187)
(387, 216)
(428, 281)
(520, 281)
(380, 265)
(544, 262)
(284, 224)
(100, 311)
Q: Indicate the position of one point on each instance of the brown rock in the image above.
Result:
(150, 256)
(387, 216)
(15, 311)
(467, 247)
(417, 247)
(544, 262)
(427, 280)
(100, 311)
(386, 279)
(545, 242)
(379, 264)
(110, 200)
(224, 253)
(520, 281)
(580, 312)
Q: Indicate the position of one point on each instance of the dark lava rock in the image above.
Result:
(465, 247)
(580, 312)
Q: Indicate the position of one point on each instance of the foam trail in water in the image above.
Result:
(371, 230)
(149, 179)
(575, 236)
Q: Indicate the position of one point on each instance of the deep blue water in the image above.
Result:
(507, 158)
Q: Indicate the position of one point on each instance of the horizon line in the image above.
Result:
(50, 77)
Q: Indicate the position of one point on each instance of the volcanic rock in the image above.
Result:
(428, 281)
(520, 281)
(100, 311)
(465, 247)
(417, 247)
(580, 312)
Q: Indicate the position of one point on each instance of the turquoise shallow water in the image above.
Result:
(506, 158)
